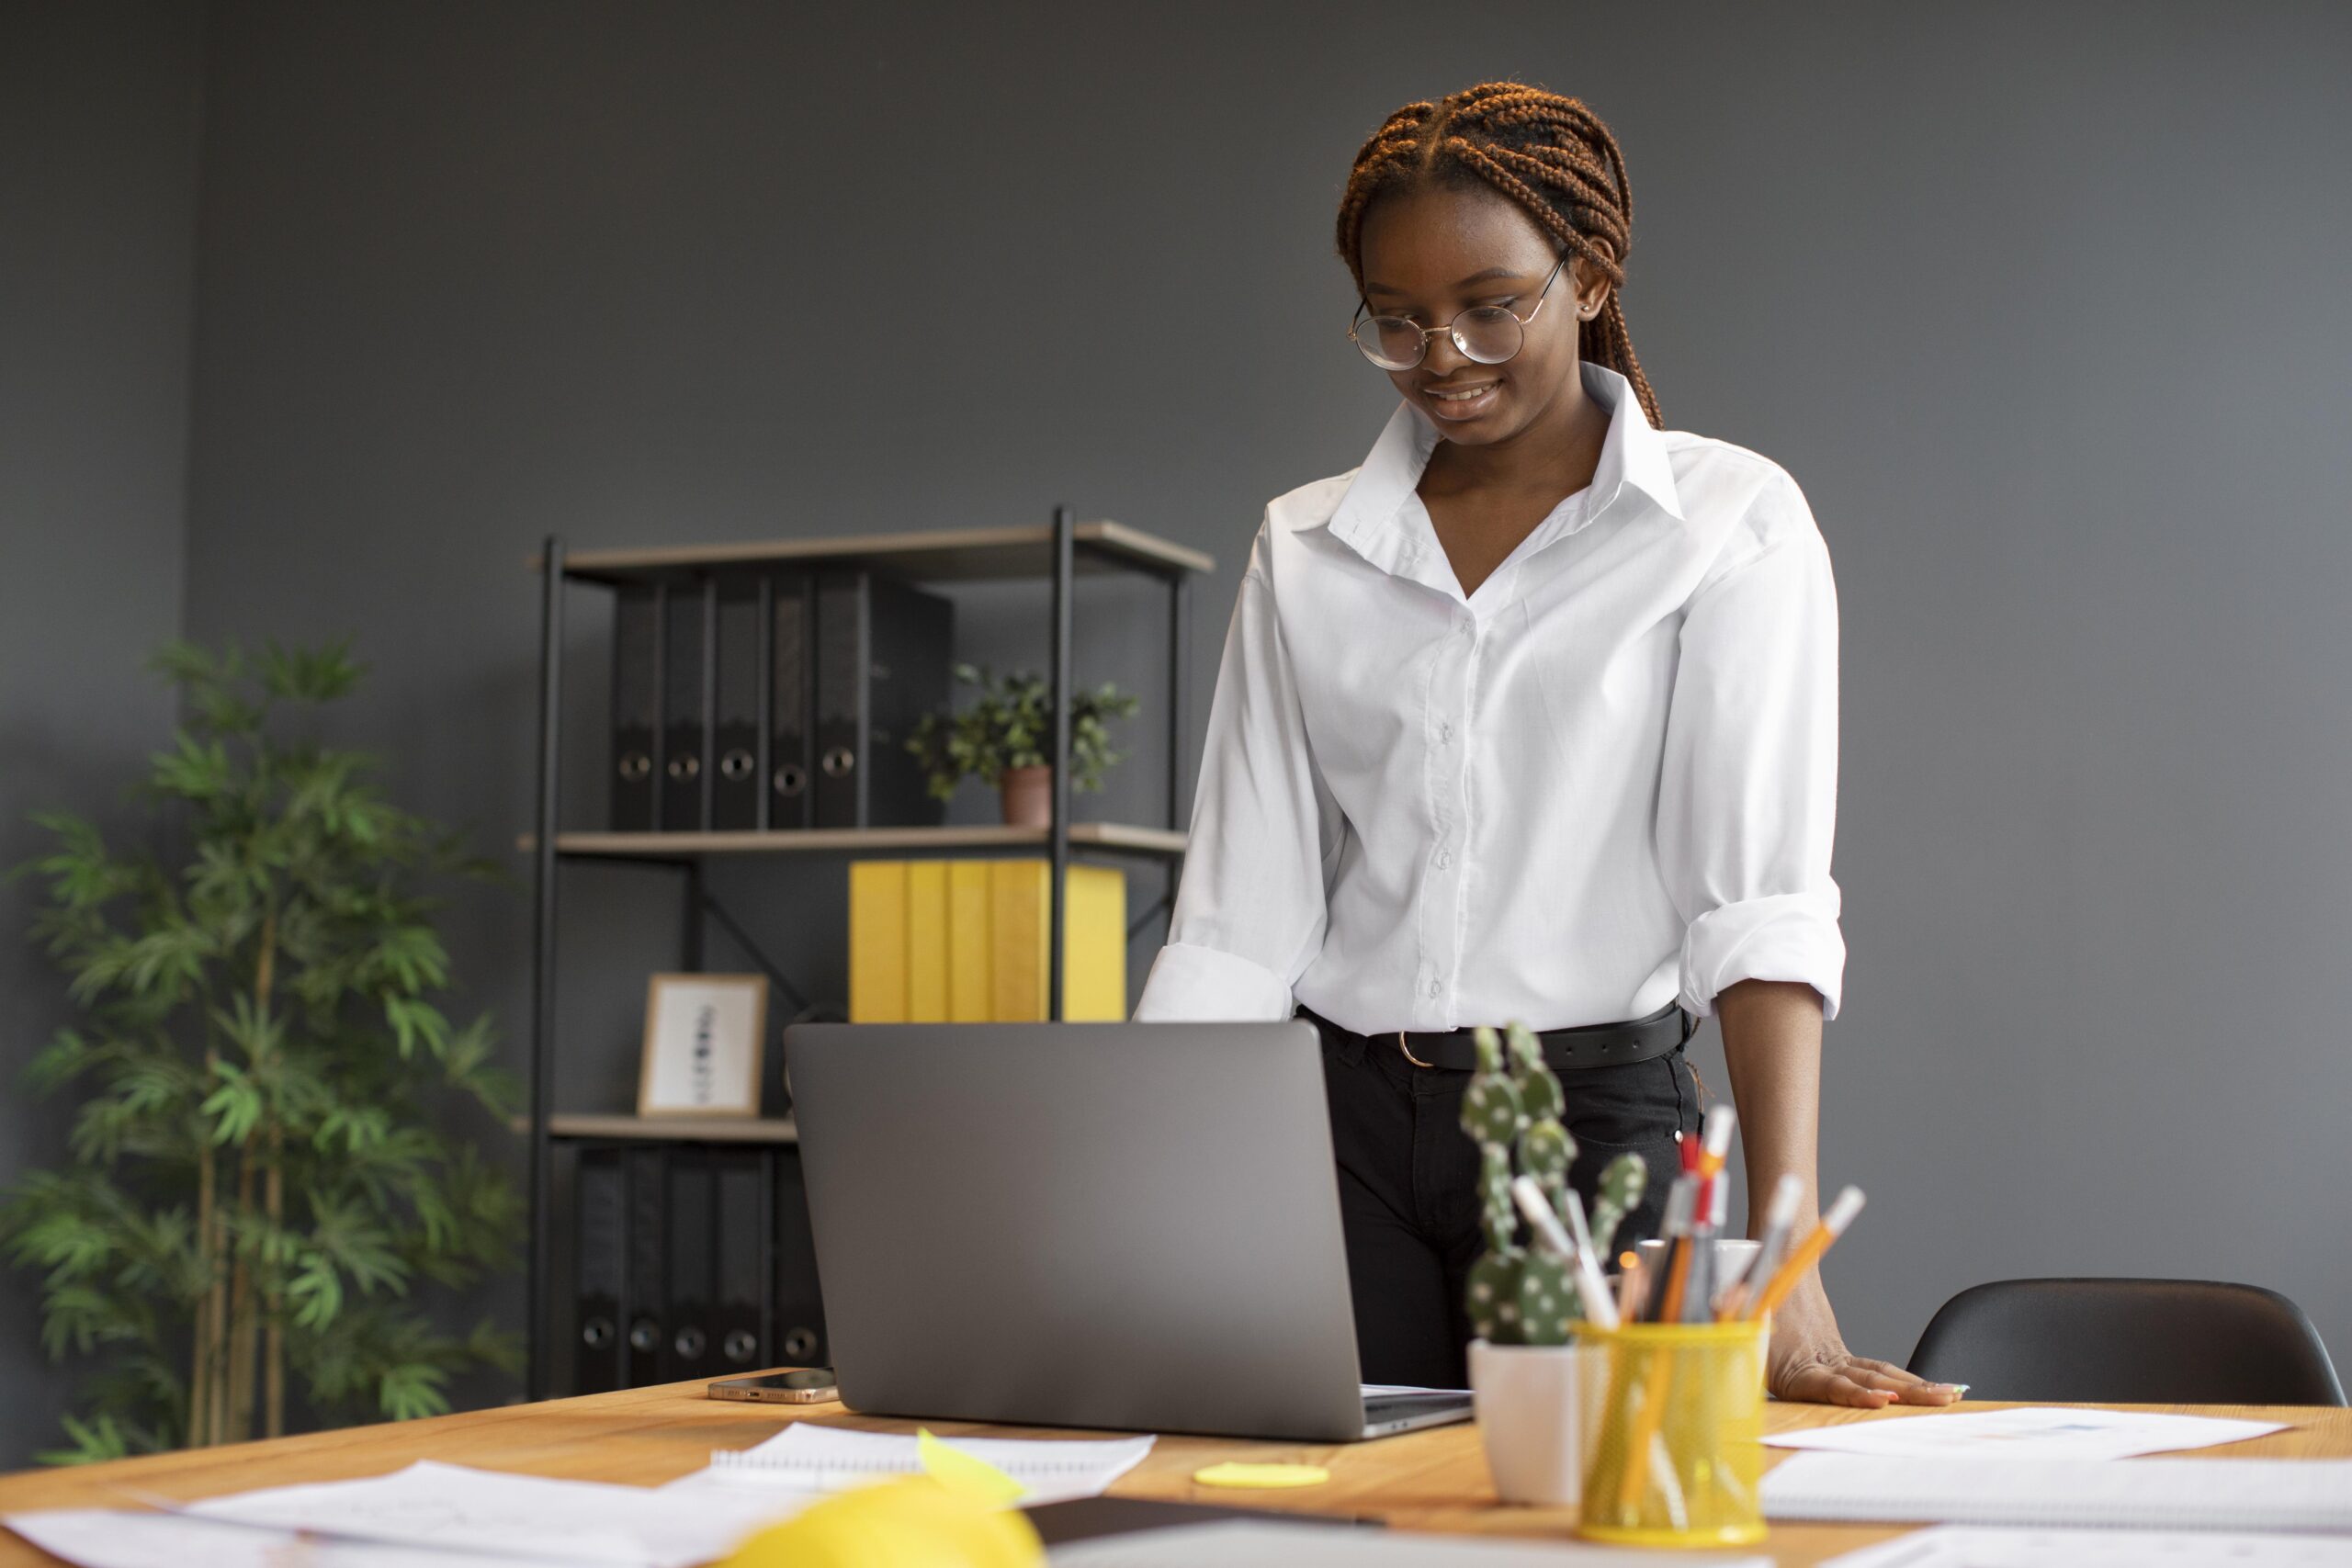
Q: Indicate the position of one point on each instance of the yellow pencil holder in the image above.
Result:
(1673, 1434)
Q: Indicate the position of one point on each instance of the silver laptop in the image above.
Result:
(1123, 1225)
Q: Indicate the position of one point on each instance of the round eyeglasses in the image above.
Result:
(1487, 334)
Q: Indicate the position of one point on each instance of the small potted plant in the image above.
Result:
(1002, 739)
(1523, 1303)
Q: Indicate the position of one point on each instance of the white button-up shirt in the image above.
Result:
(1604, 780)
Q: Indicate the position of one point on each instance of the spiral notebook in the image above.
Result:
(2148, 1493)
(807, 1456)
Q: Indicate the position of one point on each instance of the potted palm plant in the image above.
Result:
(1002, 739)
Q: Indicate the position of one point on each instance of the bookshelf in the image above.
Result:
(1110, 838)
(1059, 554)
(667, 1129)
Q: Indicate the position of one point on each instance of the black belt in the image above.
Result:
(1587, 1045)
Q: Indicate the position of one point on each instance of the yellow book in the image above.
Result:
(926, 941)
(1017, 917)
(971, 976)
(1094, 947)
(1094, 943)
(877, 942)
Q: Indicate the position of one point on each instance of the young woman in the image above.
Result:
(1531, 717)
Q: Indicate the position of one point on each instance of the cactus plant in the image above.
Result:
(1515, 1296)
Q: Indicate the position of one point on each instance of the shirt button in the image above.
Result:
(1436, 988)
(1444, 733)
(1444, 859)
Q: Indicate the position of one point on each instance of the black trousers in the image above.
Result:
(1409, 1185)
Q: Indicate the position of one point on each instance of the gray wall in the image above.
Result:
(2042, 307)
(98, 110)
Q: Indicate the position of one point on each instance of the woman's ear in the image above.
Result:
(1591, 287)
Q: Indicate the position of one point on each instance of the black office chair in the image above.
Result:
(2128, 1342)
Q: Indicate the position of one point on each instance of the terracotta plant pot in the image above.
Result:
(1028, 795)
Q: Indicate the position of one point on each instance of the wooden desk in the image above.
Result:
(1424, 1480)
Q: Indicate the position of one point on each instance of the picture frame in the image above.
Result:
(705, 1035)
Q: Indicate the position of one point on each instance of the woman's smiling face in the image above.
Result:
(1434, 252)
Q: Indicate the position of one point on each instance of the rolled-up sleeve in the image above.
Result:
(1748, 800)
(1250, 912)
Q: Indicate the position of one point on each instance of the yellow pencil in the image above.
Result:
(1808, 1253)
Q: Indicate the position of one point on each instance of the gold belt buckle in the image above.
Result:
(1409, 1051)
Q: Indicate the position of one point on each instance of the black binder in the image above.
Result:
(743, 1211)
(689, 629)
(883, 651)
(600, 1204)
(647, 1297)
(799, 1336)
(637, 707)
(791, 695)
(738, 796)
(690, 1349)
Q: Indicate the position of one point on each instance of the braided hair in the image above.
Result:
(1550, 155)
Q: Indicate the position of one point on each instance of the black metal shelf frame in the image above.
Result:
(547, 857)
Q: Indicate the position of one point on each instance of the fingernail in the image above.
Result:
(1956, 1387)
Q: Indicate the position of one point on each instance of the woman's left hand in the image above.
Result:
(1809, 1361)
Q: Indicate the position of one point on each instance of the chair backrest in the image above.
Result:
(2128, 1341)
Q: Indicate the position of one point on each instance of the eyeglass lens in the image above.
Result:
(1486, 333)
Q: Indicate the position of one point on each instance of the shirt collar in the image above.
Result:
(1633, 453)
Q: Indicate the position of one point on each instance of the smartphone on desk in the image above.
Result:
(801, 1385)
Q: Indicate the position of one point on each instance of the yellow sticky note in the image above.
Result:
(1262, 1477)
(960, 1472)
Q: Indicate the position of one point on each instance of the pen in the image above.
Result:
(1808, 1253)
(1780, 1219)
(1589, 1279)
(1679, 1202)
(1598, 1307)
(1629, 1289)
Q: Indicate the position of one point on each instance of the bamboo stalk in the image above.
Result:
(199, 1367)
(274, 1197)
(242, 1345)
(213, 1346)
(273, 1320)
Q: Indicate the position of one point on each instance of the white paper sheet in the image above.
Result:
(2038, 1430)
(586, 1522)
(809, 1458)
(1976, 1546)
(1240, 1543)
(2134, 1493)
(107, 1537)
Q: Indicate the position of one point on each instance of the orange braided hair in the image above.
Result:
(1551, 155)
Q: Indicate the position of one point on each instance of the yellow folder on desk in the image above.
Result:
(966, 940)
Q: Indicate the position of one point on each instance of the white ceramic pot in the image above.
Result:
(1529, 1416)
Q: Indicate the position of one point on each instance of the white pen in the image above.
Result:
(1598, 1307)
(1591, 1281)
(1780, 1223)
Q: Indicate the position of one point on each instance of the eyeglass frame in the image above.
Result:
(1427, 332)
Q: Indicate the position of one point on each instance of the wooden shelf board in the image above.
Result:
(1101, 835)
(672, 1129)
(939, 555)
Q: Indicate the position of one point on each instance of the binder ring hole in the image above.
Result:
(740, 1347)
(690, 1343)
(737, 765)
(685, 767)
(791, 779)
(637, 767)
(597, 1333)
(799, 1344)
(644, 1334)
(839, 761)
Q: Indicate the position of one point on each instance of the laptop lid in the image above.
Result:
(1122, 1226)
